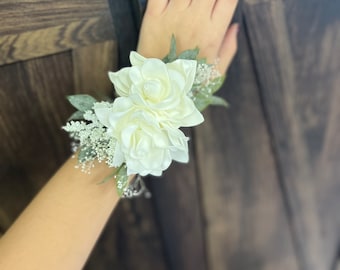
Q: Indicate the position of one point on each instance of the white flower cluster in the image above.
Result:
(143, 122)
(95, 142)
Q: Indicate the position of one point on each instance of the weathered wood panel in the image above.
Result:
(246, 221)
(298, 71)
(30, 44)
(27, 15)
(91, 65)
(32, 110)
(177, 202)
(130, 240)
(36, 28)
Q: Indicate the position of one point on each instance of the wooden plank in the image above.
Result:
(246, 222)
(130, 240)
(59, 38)
(28, 15)
(178, 207)
(101, 58)
(32, 110)
(298, 68)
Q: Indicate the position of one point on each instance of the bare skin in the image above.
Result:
(203, 23)
(60, 227)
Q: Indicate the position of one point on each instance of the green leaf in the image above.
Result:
(108, 178)
(202, 101)
(121, 179)
(218, 101)
(78, 115)
(202, 61)
(189, 54)
(85, 154)
(82, 102)
(171, 56)
(216, 84)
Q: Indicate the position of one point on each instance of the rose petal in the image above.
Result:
(121, 81)
(187, 68)
(102, 111)
(136, 59)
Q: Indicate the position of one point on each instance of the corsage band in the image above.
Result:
(139, 132)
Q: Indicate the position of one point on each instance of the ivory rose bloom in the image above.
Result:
(145, 119)
(141, 143)
(162, 88)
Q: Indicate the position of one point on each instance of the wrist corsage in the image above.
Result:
(139, 132)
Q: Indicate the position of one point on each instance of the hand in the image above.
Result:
(202, 23)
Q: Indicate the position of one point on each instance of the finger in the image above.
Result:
(223, 11)
(228, 48)
(156, 6)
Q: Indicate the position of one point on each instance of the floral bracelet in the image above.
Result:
(139, 132)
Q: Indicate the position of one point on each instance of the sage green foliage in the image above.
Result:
(82, 103)
(203, 95)
(121, 178)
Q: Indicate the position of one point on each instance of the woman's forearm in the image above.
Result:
(60, 227)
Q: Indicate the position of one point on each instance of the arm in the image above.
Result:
(60, 227)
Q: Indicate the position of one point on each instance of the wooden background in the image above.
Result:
(262, 189)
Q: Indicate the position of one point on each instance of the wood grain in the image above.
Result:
(32, 110)
(50, 40)
(178, 207)
(246, 223)
(91, 65)
(298, 91)
(21, 16)
(130, 240)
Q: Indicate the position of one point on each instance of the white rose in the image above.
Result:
(163, 88)
(142, 144)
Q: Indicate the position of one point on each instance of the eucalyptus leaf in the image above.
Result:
(202, 101)
(216, 84)
(218, 101)
(108, 178)
(78, 115)
(85, 154)
(189, 54)
(172, 55)
(202, 61)
(82, 102)
(121, 179)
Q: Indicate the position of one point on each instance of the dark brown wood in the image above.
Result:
(56, 39)
(295, 47)
(130, 240)
(177, 202)
(245, 219)
(27, 15)
(32, 110)
(101, 57)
